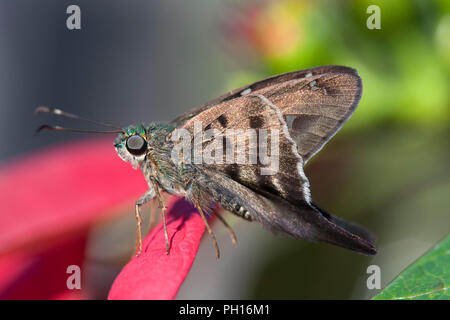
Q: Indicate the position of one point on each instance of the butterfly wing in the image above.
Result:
(306, 108)
(281, 217)
(315, 103)
(285, 178)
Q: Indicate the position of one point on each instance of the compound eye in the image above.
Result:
(136, 145)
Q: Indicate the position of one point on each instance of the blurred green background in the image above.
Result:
(133, 61)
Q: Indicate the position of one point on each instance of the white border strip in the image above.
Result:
(305, 185)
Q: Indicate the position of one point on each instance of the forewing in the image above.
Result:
(315, 103)
(286, 178)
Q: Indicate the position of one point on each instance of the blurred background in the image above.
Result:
(142, 61)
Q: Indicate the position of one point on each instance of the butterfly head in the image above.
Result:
(132, 144)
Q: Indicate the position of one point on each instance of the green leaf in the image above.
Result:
(426, 279)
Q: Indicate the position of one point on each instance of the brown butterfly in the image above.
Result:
(286, 119)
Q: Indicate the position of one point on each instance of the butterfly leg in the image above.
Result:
(213, 237)
(148, 196)
(227, 226)
(138, 232)
(163, 213)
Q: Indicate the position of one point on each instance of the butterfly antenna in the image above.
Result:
(58, 128)
(59, 112)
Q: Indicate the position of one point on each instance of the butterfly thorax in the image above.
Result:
(157, 166)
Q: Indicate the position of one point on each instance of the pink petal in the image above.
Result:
(154, 274)
(63, 189)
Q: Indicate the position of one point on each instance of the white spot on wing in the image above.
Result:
(313, 86)
(246, 91)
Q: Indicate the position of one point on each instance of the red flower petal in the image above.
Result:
(154, 274)
(63, 189)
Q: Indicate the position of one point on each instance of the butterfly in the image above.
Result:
(296, 113)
